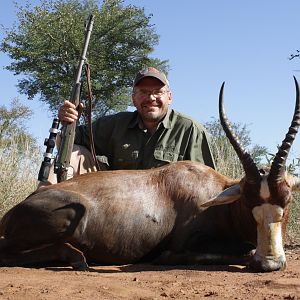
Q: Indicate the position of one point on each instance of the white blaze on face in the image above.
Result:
(264, 189)
(269, 236)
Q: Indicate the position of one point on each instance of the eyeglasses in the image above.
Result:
(155, 93)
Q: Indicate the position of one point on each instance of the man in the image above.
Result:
(152, 136)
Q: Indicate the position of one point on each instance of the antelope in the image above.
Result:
(180, 213)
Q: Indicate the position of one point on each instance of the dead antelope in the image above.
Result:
(184, 212)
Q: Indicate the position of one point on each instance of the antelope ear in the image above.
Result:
(229, 195)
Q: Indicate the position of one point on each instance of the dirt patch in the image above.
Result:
(147, 282)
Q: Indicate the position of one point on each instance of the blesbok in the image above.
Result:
(184, 212)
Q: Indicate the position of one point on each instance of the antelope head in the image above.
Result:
(267, 193)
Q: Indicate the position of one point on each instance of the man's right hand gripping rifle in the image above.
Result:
(68, 113)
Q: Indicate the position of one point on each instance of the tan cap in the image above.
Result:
(150, 72)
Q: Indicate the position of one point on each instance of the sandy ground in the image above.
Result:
(152, 282)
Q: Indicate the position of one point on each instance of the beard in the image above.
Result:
(153, 115)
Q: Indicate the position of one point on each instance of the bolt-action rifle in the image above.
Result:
(62, 160)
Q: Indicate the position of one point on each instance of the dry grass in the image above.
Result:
(293, 229)
(19, 161)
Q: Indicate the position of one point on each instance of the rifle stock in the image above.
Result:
(62, 160)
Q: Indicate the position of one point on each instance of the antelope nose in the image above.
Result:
(268, 264)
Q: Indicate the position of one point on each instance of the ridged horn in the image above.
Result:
(250, 168)
(278, 165)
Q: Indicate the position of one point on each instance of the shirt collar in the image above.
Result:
(167, 119)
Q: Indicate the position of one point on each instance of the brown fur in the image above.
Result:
(127, 216)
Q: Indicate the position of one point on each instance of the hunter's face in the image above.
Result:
(151, 99)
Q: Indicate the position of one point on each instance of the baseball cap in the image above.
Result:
(150, 72)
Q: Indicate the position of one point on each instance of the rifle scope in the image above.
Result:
(48, 155)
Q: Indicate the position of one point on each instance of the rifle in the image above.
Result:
(62, 161)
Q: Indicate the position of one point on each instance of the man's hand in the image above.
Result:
(68, 113)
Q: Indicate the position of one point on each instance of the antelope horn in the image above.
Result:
(278, 165)
(250, 168)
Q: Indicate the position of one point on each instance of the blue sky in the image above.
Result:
(244, 43)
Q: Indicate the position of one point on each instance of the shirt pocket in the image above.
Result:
(126, 157)
(167, 156)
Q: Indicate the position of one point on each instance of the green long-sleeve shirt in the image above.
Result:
(120, 139)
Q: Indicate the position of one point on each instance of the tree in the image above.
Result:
(226, 158)
(46, 43)
(12, 127)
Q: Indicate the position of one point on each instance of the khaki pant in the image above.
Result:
(81, 162)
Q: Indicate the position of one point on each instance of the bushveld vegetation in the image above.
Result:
(19, 156)
(18, 171)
